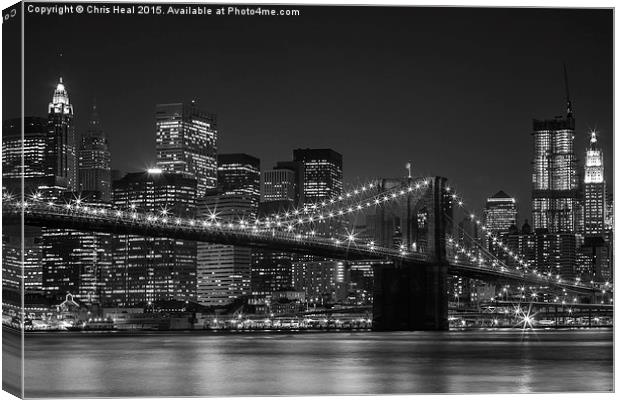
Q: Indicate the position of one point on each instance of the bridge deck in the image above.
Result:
(112, 221)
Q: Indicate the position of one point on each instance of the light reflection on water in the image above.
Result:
(202, 364)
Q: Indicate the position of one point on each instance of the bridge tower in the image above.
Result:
(410, 296)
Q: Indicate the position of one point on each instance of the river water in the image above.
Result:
(208, 364)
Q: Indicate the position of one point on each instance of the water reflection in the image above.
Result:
(191, 364)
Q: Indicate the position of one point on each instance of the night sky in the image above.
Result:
(452, 90)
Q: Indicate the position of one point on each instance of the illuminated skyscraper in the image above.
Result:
(61, 157)
(31, 149)
(322, 180)
(594, 190)
(150, 268)
(554, 177)
(94, 170)
(223, 271)
(271, 270)
(322, 177)
(14, 267)
(278, 185)
(500, 213)
(186, 142)
(75, 261)
(239, 174)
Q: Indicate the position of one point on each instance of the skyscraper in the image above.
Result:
(75, 261)
(186, 142)
(297, 168)
(150, 268)
(278, 185)
(30, 149)
(322, 175)
(594, 190)
(322, 180)
(94, 171)
(554, 177)
(21, 258)
(500, 213)
(61, 157)
(239, 174)
(322, 281)
(37, 177)
(223, 271)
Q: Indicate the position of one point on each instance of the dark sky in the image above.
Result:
(453, 90)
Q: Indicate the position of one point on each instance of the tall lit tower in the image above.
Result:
(152, 268)
(94, 170)
(223, 271)
(28, 150)
(239, 174)
(186, 142)
(554, 175)
(61, 143)
(500, 213)
(594, 193)
(322, 178)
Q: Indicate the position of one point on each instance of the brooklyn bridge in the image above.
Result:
(410, 278)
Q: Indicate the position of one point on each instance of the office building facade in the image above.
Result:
(94, 160)
(500, 213)
(61, 157)
(148, 269)
(186, 143)
(554, 176)
(322, 174)
(223, 271)
(594, 190)
(239, 174)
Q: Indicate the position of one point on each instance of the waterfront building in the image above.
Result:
(23, 157)
(323, 281)
(467, 292)
(554, 175)
(361, 281)
(75, 261)
(239, 174)
(271, 271)
(594, 190)
(186, 143)
(61, 159)
(223, 271)
(148, 269)
(94, 170)
(16, 269)
(322, 180)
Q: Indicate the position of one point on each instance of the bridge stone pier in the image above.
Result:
(413, 296)
(410, 297)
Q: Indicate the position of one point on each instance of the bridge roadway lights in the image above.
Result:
(410, 297)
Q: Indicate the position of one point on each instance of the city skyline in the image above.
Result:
(185, 133)
(409, 131)
(218, 200)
